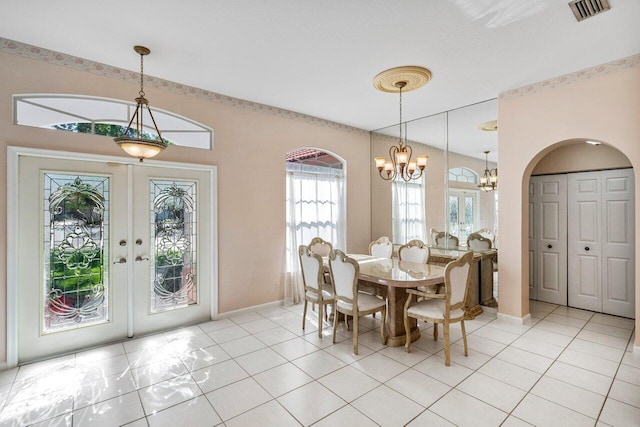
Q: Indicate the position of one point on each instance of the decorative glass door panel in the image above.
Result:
(173, 237)
(462, 214)
(70, 294)
(173, 260)
(76, 250)
(108, 251)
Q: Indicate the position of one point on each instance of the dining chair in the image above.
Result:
(433, 233)
(315, 289)
(447, 240)
(381, 248)
(445, 308)
(487, 234)
(477, 241)
(349, 301)
(414, 251)
(320, 247)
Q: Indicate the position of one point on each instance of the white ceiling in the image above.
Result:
(319, 57)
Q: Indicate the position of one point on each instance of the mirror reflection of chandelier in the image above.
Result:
(135, 141)
(399, 164)
(489, 180)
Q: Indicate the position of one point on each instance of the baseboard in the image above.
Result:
(513, 319)
(636, 349)
(279, 303)
(3, 366)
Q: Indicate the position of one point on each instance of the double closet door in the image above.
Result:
(107, 251)
(582, 240)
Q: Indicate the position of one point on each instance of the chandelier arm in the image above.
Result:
(154, 123)
(133, 117)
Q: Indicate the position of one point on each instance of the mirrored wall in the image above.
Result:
(447, 199)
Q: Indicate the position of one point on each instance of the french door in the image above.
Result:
(463, 206)
(109, 250)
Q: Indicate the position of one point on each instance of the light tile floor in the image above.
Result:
(567, 367)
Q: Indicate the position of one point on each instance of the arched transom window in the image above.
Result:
(104, 116)
(463, 175)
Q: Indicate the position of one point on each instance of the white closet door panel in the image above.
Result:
(551, 227)
(584, 247)
(618, 242)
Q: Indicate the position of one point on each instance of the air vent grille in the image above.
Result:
(583, 9)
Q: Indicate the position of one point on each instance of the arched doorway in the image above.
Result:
(581, 227)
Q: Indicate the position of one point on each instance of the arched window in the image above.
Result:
(103, 116)
(315, 203)
(463, 175)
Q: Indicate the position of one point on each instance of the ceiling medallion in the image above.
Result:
(490, 126)
(414, 77)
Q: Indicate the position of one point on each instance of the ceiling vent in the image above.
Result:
(583, 9)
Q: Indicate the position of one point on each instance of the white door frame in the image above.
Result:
(13, 157)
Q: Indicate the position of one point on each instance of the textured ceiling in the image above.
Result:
(319, 57)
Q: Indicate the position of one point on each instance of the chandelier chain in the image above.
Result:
(400, 123)
(141, 76)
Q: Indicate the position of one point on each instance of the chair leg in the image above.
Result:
(447, 344)
(355, 334)
(346, 321)
(435, 332)
(407, 333)
(335, 322)
(320, 316)
(383, 326)
(464, 337)
(304, 313)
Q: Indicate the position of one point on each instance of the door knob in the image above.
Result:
(586, 248)
(549, 246)
(139, 258)
(121, 261)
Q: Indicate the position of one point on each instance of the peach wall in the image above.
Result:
(604, 107)
(249, 152)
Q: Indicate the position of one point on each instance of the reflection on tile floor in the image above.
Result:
(566, 367)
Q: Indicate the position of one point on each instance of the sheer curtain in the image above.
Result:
(315, 208)
(408, 211)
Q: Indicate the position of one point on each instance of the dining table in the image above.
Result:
(390, 278)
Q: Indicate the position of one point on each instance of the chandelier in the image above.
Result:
(488, 181)
(399, 164)
(133, 140)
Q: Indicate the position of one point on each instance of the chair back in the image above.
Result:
(320, 247)
(477, 241)
(344, 276)
(311, 265)
(414, 251)
(456, 282)
(433, 233)
(447, 240)
(381, 248)
(487, 234)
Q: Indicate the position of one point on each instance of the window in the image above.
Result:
(408, 211)
(315, 202)
(463, 175)
(103, 116)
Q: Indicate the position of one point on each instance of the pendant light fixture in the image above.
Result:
(134, 141)
(488, 181)
(399, 164)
